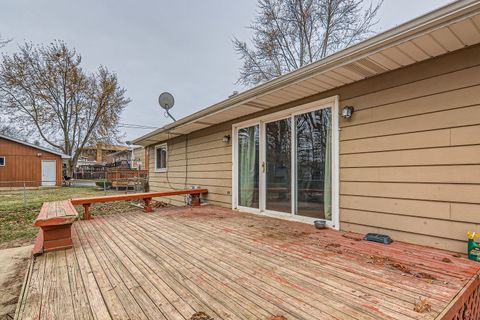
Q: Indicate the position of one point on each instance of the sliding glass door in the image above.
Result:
(286, 164)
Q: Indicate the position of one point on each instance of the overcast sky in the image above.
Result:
(157, 45)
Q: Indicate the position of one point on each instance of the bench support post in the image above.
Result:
(195, 200)
(148, 205)
(86, 212)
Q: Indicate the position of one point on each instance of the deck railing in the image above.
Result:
(466, 305)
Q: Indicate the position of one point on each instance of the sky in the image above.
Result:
(181, 46)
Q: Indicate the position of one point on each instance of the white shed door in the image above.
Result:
(49, 169)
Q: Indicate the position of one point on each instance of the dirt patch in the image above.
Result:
(446, 260)
(22, 242)
(13, 266)
(200, 316)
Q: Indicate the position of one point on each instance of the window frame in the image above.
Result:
(165, 147)
(4, 161)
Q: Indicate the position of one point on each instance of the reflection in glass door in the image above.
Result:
(248, 167)
(314, 164)
(278, 173)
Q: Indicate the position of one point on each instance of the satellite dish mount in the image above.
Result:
(167, 101)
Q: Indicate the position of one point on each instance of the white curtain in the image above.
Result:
(246, 155)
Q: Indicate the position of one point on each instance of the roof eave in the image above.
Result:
(427, 22)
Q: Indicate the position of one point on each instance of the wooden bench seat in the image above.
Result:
(55, 221)
(145, 196)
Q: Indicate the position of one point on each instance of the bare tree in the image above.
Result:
(288, 34)
(8, 130)
(44, 90)
(3, 41)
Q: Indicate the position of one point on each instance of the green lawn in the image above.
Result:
(16, 221)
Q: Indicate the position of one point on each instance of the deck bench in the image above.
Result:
(55, 221)
(145, 196)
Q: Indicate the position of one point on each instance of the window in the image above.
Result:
(161, 158)
(2, 161)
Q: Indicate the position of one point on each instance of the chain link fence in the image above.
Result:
(32, 193)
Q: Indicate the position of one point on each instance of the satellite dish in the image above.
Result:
(166, 100)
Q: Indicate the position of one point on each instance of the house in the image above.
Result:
(25, 164)
(97, 154)
(383, 136)
(131, 158)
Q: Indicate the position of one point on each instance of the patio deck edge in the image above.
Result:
(457, 307)
(21, 298)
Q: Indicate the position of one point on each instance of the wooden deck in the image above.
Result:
(174, 262)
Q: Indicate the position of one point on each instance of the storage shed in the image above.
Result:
(23, 163)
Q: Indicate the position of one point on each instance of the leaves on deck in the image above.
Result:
(422, 305)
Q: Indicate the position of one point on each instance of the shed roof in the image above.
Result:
(64, 156)
(447, 29)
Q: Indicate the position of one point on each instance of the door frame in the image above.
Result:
(332, 102)
(48, 183)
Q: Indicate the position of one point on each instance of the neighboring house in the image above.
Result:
(131, 158)
(98, 153)
(24, 163)
(405, 163)
(138, 157)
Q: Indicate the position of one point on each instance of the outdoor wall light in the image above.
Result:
(226, 138)
(347, 112)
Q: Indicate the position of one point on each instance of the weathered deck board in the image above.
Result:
(176, 261)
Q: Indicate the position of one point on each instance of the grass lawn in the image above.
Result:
(16, 222)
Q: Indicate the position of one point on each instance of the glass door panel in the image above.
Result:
(278, 146)
(314, 164)
(248, 166)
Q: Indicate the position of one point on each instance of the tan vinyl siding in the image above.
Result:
(209, 163)
(409, 157)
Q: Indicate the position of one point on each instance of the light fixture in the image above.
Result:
(347, 112)
(226, 138)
